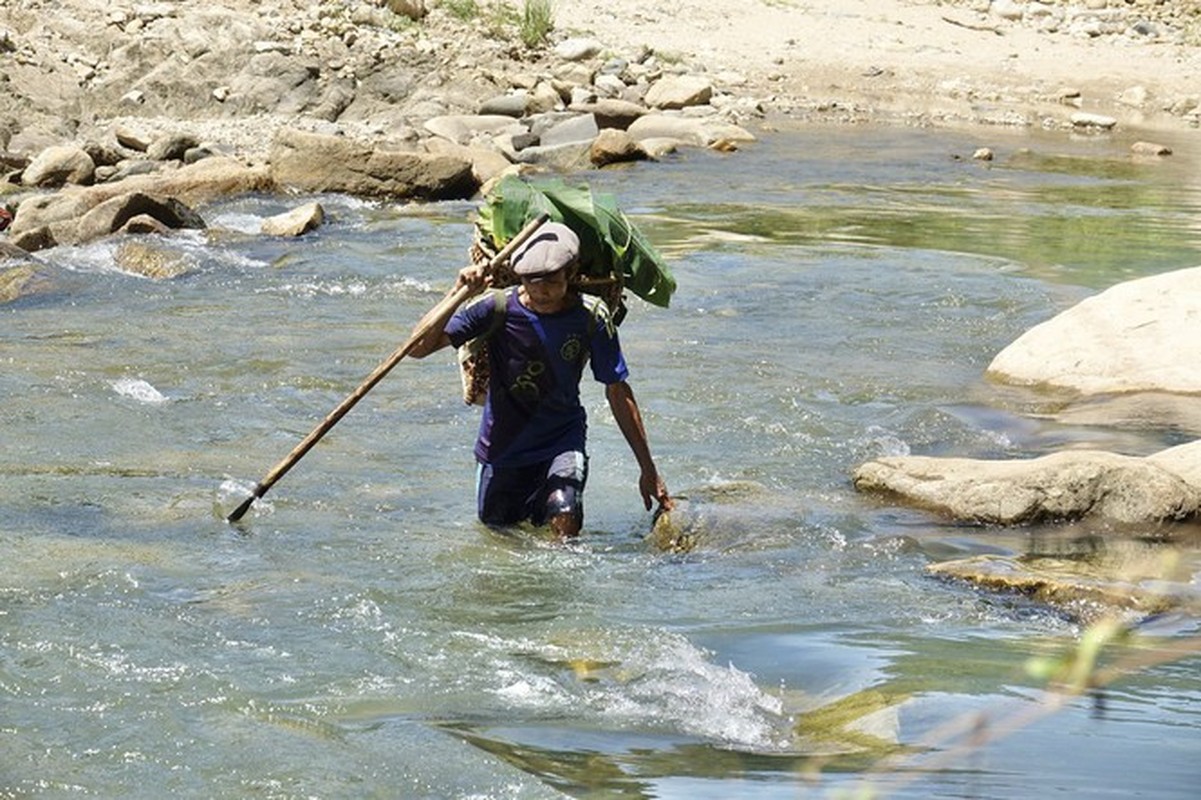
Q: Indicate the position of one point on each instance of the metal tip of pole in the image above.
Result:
(241, 510)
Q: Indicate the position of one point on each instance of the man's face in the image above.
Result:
(548, 292)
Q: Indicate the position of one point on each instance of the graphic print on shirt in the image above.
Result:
(571, 349)
(533, 411)
(525, 385)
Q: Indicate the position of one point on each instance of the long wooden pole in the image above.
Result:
(451, 301)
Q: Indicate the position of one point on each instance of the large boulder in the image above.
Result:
(1137, 336)
(1061, 486)
(275, 82)
(312, 162)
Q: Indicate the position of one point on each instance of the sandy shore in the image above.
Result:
(961, 62)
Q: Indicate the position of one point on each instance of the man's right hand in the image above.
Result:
(475, 277)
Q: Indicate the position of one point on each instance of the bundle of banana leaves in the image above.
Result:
(610, 245)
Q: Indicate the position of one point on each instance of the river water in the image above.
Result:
(360, 635)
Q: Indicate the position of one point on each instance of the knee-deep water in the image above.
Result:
(358, 634)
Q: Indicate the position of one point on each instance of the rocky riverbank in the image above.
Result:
(231, 75)
(424, 99)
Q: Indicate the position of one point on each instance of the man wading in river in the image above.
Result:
(531, 446)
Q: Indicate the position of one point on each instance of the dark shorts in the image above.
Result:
(536, 492)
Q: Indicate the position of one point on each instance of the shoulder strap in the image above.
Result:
(500, 308)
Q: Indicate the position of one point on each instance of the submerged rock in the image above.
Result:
(713, 517)
(150, 261)
(863, 722)
(1136, 580)
(20, 281)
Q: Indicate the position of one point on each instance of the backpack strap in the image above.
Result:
(500, 309)
(473, 354)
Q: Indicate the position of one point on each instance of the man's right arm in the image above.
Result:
(435, 337)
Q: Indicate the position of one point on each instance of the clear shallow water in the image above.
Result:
(841, 292)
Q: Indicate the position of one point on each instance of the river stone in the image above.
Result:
(679, 91)
(866, 722)
(413, 9)
(131, 139)
(1150, 149)
(577, 49)
(1183, 460)
(609, 86)
(49, 219)
(611, 112)
(34, 239)
(683, 130)
(144, 224)
(580, 128)
(613, 146)
(209, 178)
(1061, 486)
(1085, 120)
(59, 165)
(716, 516)
(505, 105)
(1134, 411)
(566, 157)
(659, 147)
(112, 214)
(1140, 335)
(10, 252)
(486, 162)
(699, 132)
(171, 147)
(462, 128)
(544, 97)
(296, 222)
(13, 161)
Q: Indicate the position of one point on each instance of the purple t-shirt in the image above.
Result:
(533, 411)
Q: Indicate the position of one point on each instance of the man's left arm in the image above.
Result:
(629, 420)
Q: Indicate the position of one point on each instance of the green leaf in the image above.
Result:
(609, 242)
